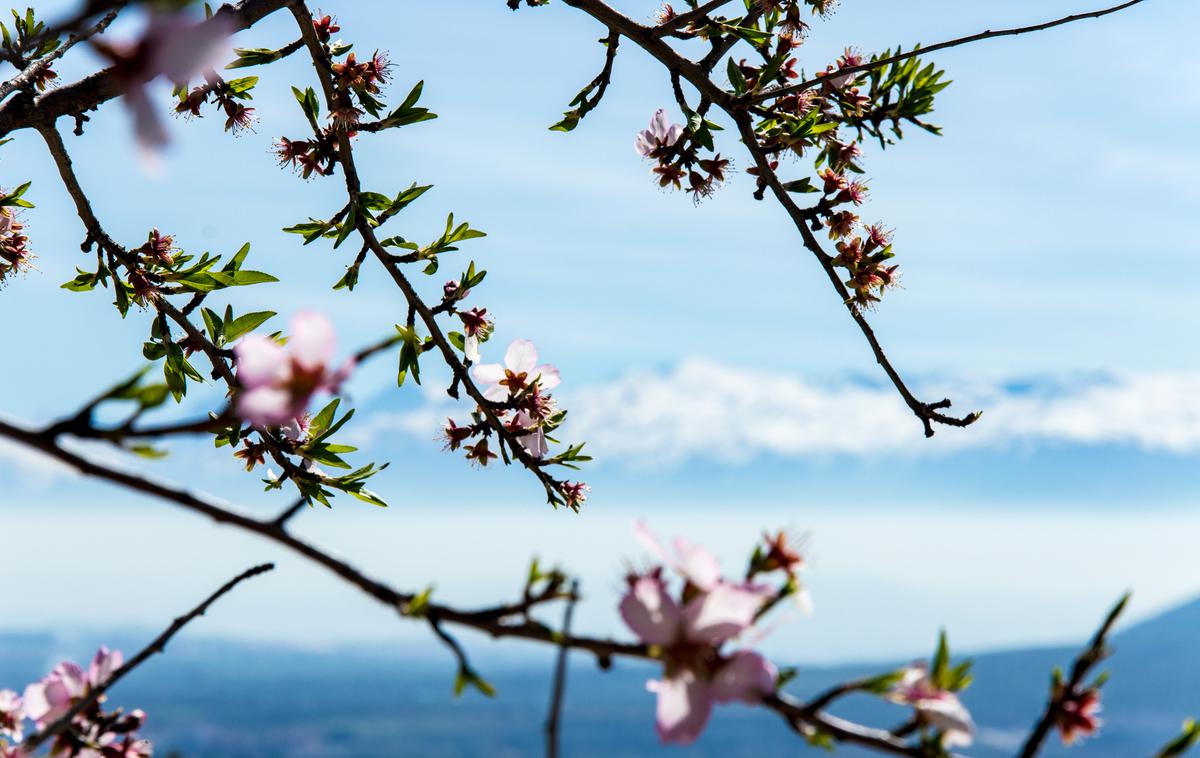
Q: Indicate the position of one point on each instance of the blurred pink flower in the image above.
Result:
(939, 708)
(277, 382)
(12, 713)
(49, 699)
(175, 45)
(690, 635)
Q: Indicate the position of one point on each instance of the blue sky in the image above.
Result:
(1046, 242)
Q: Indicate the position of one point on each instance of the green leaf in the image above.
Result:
(147, 451)
(1183, 743)
(323, 419)
(238, 259)
(736, 79)
(246, 323)
(213, 323)
(467, 677)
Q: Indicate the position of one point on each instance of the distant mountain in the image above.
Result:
(210, 699)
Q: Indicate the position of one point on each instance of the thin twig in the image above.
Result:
(559, 688)
(157, 646)
(428, 317)
(91, 91)
(35, 68)
(683, 19)
(698, 77)
(989, 34)
(1096, 651)
(290, 512)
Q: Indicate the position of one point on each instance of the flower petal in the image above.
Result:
(722, 613)
(747, 677)
(496, 393)
(185, 47)
(674, 132)
(471, 348)
(147, 125)
(649, 541)
(650, 612)
(488, 373)
(644, 143)
(312, 341)
(659, 124)
(266, 406)
(261, 361)
(948, 714)
(684, 705)
(535, 444)
(103, 665)
(549, 376)
(521, 357)
(697, 564)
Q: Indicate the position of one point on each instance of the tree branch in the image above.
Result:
(697, 76)
(1096, 651)
(683, 19)
(158, 645)
(428, 317)
(35, 68)
(516, 625)
(560, 678)
(91, 91)
(989, 34)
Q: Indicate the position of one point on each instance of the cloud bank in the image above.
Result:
(701, 409)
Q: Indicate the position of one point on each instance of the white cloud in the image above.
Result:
(705, 410)
(32, 467)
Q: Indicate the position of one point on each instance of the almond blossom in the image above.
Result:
(519, 372)
(1076, 715)
(690, 632)
(174, 45)
(12, 713)
(277, 381)
(937, 707)
(661, 134)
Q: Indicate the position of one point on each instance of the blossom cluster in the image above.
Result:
(689, 630)
(799, 121)
(355, 84)
(93, 732)
(15, 256)
(226, 95)
(677, 160)
(516, 393)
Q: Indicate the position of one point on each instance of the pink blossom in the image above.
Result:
(12, 713)
(686, 698)
(693, 562)
(174, 45)
(103, 665)
(533, 441)
(48, 700)
(690, 634)
(1076, 715)
(660, 134)
(939, 708)
(277, 382)
(519, 372)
